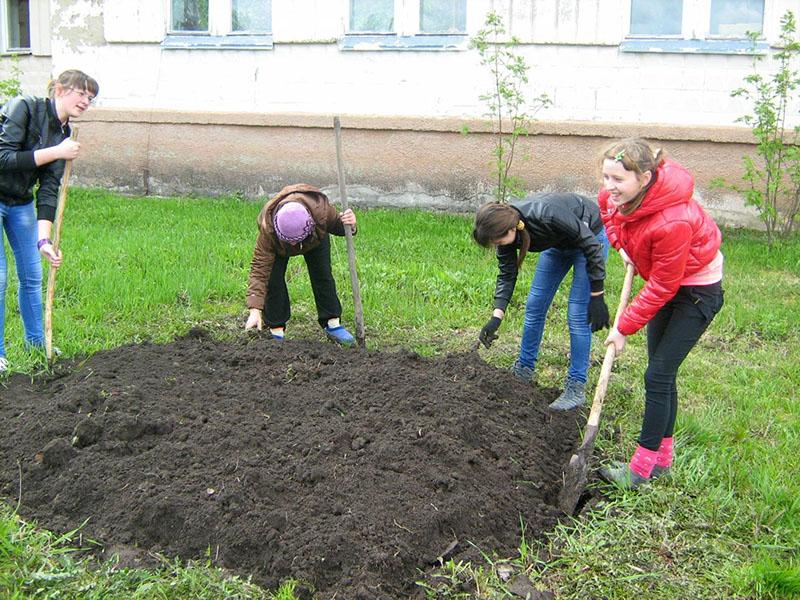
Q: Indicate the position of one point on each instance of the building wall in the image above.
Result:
(213, 121)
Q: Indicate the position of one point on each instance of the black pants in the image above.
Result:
(671, 334)
(277, 310)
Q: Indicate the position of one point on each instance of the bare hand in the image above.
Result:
(254, 320)
(348, 218)
(627, 259)
(68, 149)
(51, 255)
(617, 339)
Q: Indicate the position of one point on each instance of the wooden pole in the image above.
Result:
(351, 252)
(51, 276)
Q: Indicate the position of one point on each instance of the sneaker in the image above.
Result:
(340, 335)
(4, 365)
(277, 333)
(521, 372)
(573, 396)
(621, 475)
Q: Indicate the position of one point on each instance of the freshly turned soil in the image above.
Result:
(350, 470)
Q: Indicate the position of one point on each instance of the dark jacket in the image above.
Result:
(553, 220)
(28, 124)
(669, 237)
(326, 220)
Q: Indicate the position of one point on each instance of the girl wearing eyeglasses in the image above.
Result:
(34, 143)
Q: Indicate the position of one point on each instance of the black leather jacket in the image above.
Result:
(553, 220)
(28, 124)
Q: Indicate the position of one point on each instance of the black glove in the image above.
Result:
(598, 313)
(487, 334)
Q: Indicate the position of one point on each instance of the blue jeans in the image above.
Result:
(552, 267)
(19, 224)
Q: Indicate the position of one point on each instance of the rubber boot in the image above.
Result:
(664, 459)
(521, 372)
(573, 396)
(637, 472)
(340, 335)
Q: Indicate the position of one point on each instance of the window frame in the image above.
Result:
(220, 33)
(4, 35)
(695, 36)
(407, 34)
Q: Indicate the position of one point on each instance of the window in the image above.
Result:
(704, 26)
(449, 16)
(245, 24)
(406, 24)
(17, 25)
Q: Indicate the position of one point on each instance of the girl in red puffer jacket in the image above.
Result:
(650, 216)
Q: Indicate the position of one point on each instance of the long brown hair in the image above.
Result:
(493, 221)
(635, 154)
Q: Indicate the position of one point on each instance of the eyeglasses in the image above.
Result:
(84, 94)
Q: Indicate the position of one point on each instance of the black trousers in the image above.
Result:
(277, 309)
(671, 334)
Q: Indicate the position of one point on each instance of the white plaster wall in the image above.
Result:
(574, 58)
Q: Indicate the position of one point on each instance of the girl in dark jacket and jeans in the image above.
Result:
(568, 231)
(651, 218)
(34, 143)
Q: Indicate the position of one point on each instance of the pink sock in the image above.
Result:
(665, 453)
(643, 461)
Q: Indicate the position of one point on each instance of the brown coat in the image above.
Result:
(326, 219)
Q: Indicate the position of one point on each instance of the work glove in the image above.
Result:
(598, 313)
(488, 333)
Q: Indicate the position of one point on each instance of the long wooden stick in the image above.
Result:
(576, 474)
(351, 252)
(51, 276)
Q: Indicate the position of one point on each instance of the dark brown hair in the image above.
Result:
(635, 154)
(492, 222)
(74, 79)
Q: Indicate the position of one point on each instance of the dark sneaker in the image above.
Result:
(340, 335)
(573, 396)
(521, 372)
(620, 474)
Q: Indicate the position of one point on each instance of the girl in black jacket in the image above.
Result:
(34, 143)
(568, 231)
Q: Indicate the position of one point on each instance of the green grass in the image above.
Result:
(726, 525)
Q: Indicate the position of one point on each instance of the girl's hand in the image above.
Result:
(254, 320)
(348, 217)
(617, 339)
(53, 257)
(68, 149)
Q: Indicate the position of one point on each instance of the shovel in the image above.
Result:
(576, 473)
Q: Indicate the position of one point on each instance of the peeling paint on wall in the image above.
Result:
(77, 23)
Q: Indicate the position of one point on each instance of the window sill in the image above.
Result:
(673, 46)
(261, 41)
(390, 41)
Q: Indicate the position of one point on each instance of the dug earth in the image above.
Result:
(352, 471)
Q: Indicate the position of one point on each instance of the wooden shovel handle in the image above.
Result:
(608, 360)
(51, 276)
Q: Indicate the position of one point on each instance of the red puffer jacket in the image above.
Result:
(668, 238)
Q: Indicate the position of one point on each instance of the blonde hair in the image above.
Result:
(73, 79)
(635, 154)
(493, 220)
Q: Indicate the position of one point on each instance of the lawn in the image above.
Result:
(726, 525)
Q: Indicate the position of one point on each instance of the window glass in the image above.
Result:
(656, 17)
(734, 18)
(190, 15)
(19, 23)
(372, 15)
(251, 15)
(443, 16)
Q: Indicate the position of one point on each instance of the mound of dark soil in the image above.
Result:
(349, 470)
